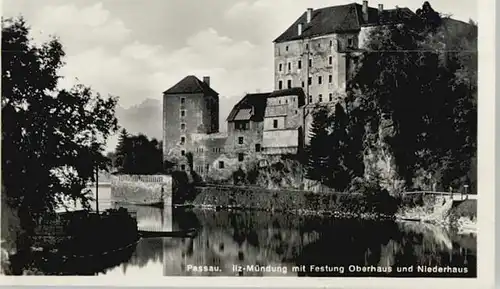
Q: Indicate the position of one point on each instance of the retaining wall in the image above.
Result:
(281, 201)
(141, 189)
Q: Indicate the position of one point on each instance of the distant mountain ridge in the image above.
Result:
(145, 118)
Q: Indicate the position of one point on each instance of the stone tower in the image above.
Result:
(189, 107)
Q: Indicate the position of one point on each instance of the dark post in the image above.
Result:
(97, 190)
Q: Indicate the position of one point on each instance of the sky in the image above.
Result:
(136, 49)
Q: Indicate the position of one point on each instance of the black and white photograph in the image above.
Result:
(241, 138)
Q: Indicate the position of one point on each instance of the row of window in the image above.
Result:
(320, 98)
(201, 150)
(299, 64)
(350, 42)
(258, 148)
(201, 170)
(309, 81)
(221, 165)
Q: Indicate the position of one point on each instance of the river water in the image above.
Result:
(270, 244)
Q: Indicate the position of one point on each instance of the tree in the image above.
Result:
(339, 141)
(430, 20)
(52, 139)
(318, 151)
(121, 149)
(136, 154)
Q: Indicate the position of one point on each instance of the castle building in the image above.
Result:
(260, 124)
(245, 126)
(189, 107)
(314, 52)
(283, 122)
(312, 67)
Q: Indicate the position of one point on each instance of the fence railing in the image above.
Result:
(141, 178)
(454, 195)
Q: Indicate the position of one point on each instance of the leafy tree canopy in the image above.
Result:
(52, 139)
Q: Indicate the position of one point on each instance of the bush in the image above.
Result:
(375, 199)
(184, 187)
(91, 233)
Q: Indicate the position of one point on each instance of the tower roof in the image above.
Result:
(191, 84)
(253, 105)
(341, 18)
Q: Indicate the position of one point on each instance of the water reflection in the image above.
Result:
(226, 239)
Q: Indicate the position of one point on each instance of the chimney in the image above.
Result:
(206, 79)
(309, 14)
(365, 10)
(299, 31)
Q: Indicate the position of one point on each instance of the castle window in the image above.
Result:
(330, 60)
(289, 66)
(208, 168)
(319, 45)
(350, 42)
(309, 80)
(310, 62)
(280, 84)
(299, 64)
(320, 79)
(307, 45)
(221, 164)
(183, 113)
(303, 84)
(257, 147)
(183, 167)
(310, 98)
(183, 100)
(183, 140)
(320, 98)
(281, 67)
(331, 43)
(289, 83)
(240, 140)
(331, 96)
(241, 157)
(183, 126)
(330, 78)
(241, 125)
(275, 123)
(286, 48)
(183, 152)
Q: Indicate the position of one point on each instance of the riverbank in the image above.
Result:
(440, 210)
(433, 209)
(338, 205)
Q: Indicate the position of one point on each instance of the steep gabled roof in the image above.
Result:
(256, 102)
(339, 19)
(191, 84)
(299, 92)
